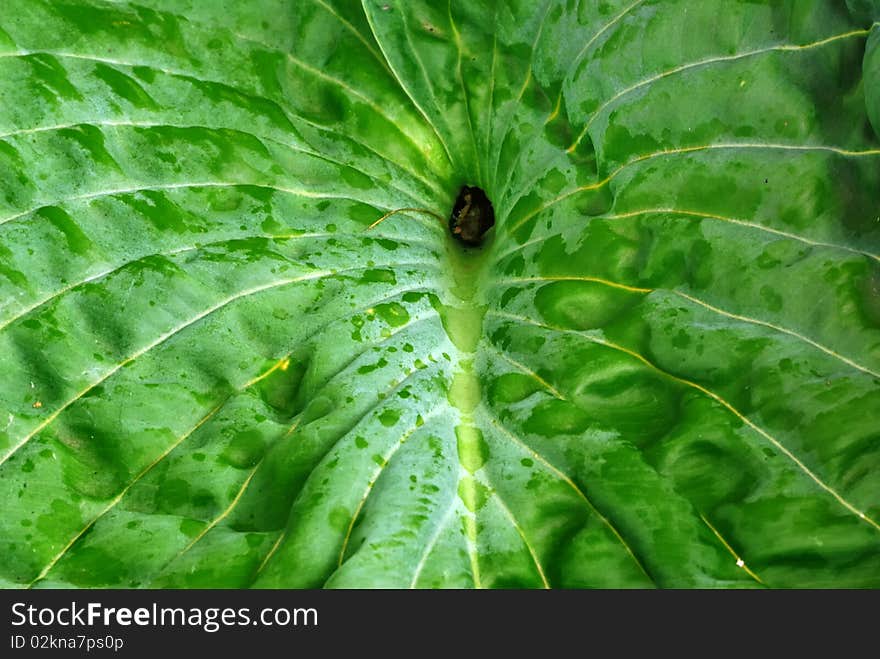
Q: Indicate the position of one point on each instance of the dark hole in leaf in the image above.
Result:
(472, 216)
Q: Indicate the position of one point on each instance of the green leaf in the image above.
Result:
(661, 368)
(872, 78)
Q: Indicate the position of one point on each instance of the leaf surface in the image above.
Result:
(662, 368)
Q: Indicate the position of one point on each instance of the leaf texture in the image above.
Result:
(662, 369)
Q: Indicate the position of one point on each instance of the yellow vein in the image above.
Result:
(721, 312)
(525, 369)
(732, 220)
(740, 563)
(589, 43)
(167, 335)
(223, 515)
(528, 76)
(384, 157)
(270, 554)
(684, 150)
(614, 20)
(774, 146)
(517, 248)
(708, 61)
(268, 47)
(519, 152)
(523, 537)
(517, 528)
(280, 365)
(395, 387)
(552, 116)
(283, 533)
(522, 90)
(496, 422)
(238, 496)
(123, 492)
(386, 458)
(711, 394)
(490, 110)
(597, 280)
(780, 329)
(706, 305)
(417, 211)
(415, 53)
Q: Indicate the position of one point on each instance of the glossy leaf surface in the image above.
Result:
(662, 368)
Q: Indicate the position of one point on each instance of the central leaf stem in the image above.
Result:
(462, 314)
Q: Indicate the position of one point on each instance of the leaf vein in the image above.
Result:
(497, 423)
(711, 394)
(323, 274)
(717, 310)
(294, 425)
(707, 62)
(374, 477)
